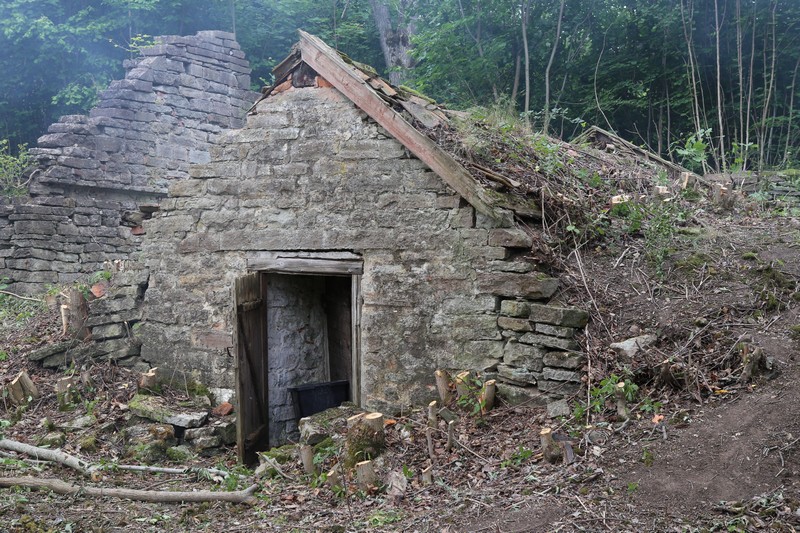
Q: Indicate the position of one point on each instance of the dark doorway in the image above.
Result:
(309, 340)
(297, 323)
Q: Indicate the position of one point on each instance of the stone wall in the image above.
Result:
(298, 343)
(443, 287)
(100, 175)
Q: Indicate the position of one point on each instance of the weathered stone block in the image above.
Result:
(559, 316)
(556, 374)
(549, 342)
(562, 388)
(555, 331)
(518, 376)
(110, 331)
(523, 355)
(510, 238)
(514, 324)
(515, 308)
(534, 286)
(570, 360)
(516, 395)
(558, 408)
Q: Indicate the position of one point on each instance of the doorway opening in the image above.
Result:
(297, 346)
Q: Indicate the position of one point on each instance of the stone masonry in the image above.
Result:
(100, 175)
(443, 286)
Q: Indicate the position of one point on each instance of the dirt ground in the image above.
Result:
(724, 457)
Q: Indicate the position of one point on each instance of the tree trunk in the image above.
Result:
(546, 121)
(395, 38)
(718, 27)
(526, 6)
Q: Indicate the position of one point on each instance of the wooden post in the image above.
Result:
(487, 395)
(307, 458)
(550, 450)
(622, 406)
(433, 419)
(429, 438)
(427, 475)
(365, 475)
(443, 386)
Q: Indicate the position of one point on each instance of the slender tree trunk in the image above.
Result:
(687, 34)
(395, 39)
(769, 82)
(720, 103)
(750, 82)
(546, 121)
(785, 160)
(525, 11)
(740, 71)
(515, 87)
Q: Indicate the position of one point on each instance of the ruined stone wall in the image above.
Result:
(443, 287)
(100, 175)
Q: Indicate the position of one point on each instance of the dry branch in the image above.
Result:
(55, 456)
(62, 487)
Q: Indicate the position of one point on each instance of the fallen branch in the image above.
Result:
(54, 456)
(62, 487)
(7, 293)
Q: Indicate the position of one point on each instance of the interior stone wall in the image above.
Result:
(100, 175)
(297, 345)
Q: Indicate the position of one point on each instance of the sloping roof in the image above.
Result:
(525, 173)
(374, 96)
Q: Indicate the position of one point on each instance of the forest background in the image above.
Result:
(711, 84)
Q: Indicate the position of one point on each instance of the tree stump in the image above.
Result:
(433, 419)
(365, 437)
(307, 458)
(365, 475)
(77, 315)
(443, 387)
(487, 395)
(462, 383)
(21, 388)
(550, 450)
(623, 413)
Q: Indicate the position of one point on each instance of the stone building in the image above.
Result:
(326, 240)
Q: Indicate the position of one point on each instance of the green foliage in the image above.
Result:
(518, 457)
(384, 518)
(694, 151)
(603, 393)
(12, 169)
(471, 401)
